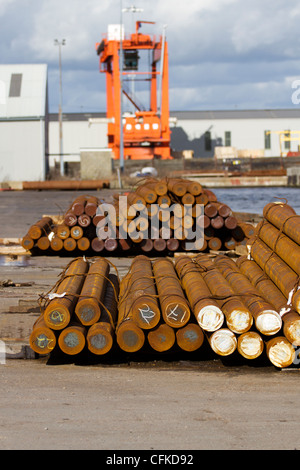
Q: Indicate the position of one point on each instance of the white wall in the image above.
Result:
(245, 133)
(187, 135)
(76, 135)
(22, 151)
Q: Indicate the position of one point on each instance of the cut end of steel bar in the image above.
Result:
(72, 340)
(239, 321)
(280, 352)
(190, 337)
(210, 318)
(269, 322)
(250, 345)
(161, 338)
(223, 342)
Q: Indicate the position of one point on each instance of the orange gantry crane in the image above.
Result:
(145, 130)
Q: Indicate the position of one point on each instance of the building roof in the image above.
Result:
(23, 91)
(239, 114)
(289, 113)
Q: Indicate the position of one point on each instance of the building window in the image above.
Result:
(207, 141)
(227, 139)
(15, 85)
(287, 143)
(267, 140)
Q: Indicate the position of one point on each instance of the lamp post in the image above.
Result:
(121, 91)
(133, 9)
(60, 44)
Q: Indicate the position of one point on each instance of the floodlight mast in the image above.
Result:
(61, 156)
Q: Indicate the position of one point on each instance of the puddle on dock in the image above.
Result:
(14, 260)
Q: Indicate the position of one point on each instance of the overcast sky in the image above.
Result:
(223, 54)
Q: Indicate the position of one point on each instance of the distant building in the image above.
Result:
(23, 122)
(29, 136)
(249, 132)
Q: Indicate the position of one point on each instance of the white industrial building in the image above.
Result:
(250, 132)
(253, 133)
(30, 141)
(23, 122)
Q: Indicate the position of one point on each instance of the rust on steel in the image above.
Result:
(238, 317)
(190, 337)
(130, 337)
(92, 203)
(42, 339)
(60, 308)
(66, 184)
(177, 186)
(278, 271)
(281, 244)
(27, 242)
(173, 303)
(100, 336)
(148, 193)
(141, 294)
(69, 244)
(72, 339)
(161, 338)
(267, 319)
(206, 310)
(41, 227)
(284, 217)
(89, 305)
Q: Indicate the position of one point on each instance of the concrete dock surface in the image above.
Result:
(138, 403)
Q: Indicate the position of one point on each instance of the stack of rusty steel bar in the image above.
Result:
(178, 214)
(241, 309)
(232, 306)
(165, 305)
(80, 311)
(158, 217)
(153, 309)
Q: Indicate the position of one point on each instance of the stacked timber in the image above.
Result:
(158, 217)
(80, 311)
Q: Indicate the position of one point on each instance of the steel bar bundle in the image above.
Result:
(283, 217)
(279, 349)
(80, 311)
(233, 307)
(88, 306)
(278, 271)
(290, 318)
(206, 309)
(60, 308)
(37, 231)
(139, 309)
(100, 336)
(173, 303)
(130, 337)
(238, 317)
(267, 319)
